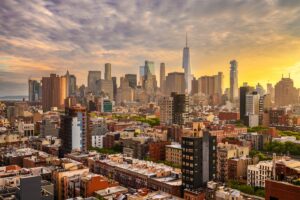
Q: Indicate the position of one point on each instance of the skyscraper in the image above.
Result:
(187, 68)
(132, 79)
(198, 160)
(181, 108)
(286, 93)
(115, 87)
(93, 78)
(162, 77)
(234, 93)
(71, 84)
(244, 90)
(124, 93)
(34, 90)
(252, 103)
(265, 104)
(210, 85)
(220, 85)
(149, 81)
(106, 88)
(149, 68)
(73, 131)
(107, 72)
(195, 86)
(271, 91)
(175, 82)
(252, 109)
(260, 89)
(142, 75)
(54, 91)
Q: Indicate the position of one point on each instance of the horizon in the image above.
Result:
(39, 38)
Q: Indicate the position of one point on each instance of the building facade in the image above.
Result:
(198, 160)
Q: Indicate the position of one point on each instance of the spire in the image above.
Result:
(186, 40)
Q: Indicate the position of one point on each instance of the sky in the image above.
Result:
(39, 37)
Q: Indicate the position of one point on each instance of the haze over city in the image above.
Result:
(42, 37)
(149, 99)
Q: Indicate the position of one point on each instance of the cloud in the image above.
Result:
(81, 35)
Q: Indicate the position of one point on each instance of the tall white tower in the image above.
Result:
(234, 90)
(187, 67)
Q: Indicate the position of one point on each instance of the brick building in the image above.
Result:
(157, 150)
(138, 174)
(276, 190)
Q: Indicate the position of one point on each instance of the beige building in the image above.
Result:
(162, 77)
(166, 110)
(286, 93)
(124, 93)
(107, 70)
(174, 153)
(62, 177)
(54, 91)
(210, 85)
(10, 139)
(106, 88)
(225, 152)
(175, 82)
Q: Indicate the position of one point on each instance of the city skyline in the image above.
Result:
(47, 37)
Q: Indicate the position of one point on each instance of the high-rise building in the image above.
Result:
(252, 103)
(211, 85)
(195, 86)
(181, 108)
(166, 110)
(124, 93)
(271, 91)
(286, 93)
(54, 91)
(82, 91)
(115, 87)
(149, 68)
(162, 77)
(34, 90)
(198, 160)
(234, 91)
(175, 83)
(252, 109)
(94, 78)
(107, 72)
(244, 90)
(149, 80)
(132, 80)
(71, 84)
(260, 89)
(265, 104)
(220, 85)
(106, 88)
(187, 67)
(142, 75)
(73, 131)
